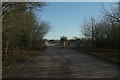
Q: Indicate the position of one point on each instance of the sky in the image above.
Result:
(66, 18)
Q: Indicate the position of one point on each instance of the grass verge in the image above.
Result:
(18, 56)
(108, 54)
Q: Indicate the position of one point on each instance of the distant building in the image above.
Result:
(52, 42)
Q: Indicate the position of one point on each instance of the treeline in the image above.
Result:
(103, 33)
(20, 27)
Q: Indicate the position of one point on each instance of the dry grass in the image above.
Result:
(18, 56)
(109, 54)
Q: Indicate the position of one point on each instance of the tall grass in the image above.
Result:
(17, 56)
(109, 54)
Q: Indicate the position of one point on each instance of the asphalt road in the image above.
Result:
(64, 63)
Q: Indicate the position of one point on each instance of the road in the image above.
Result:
(64, 63)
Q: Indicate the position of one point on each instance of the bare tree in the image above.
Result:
(18, 19)
(104, 33)
(10, 7)
(40, 29)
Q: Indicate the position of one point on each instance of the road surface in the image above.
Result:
(64, 63)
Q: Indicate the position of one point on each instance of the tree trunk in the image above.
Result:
(6, 49)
